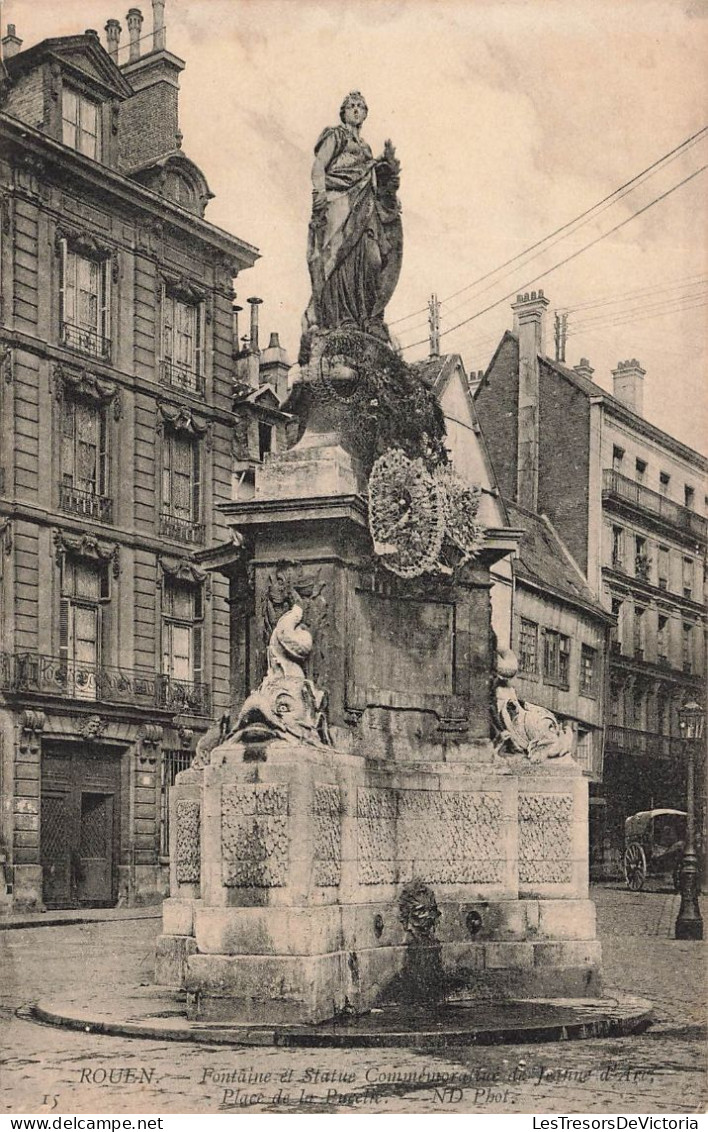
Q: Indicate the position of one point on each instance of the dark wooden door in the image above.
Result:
(95, 879)
(80, 821)
(56, 841)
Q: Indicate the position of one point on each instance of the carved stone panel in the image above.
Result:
(545, 838)
(327, 836)
(376, 836)
(405, 646)
(454, 837)
(188, 849)
(254, 835)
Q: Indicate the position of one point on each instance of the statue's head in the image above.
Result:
(354, 99)
(284, 707)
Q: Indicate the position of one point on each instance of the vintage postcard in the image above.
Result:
(353, 526)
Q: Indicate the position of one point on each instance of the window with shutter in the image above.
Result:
(182, 343)
(84, 303)
(81, 123)
(64, 627)
(84, 459)
(182, 646)
(181, 487)
(84, 590)
(196, 482)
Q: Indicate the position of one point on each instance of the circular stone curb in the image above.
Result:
(469, 1023)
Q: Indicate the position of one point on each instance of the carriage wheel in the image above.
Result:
(635, 867)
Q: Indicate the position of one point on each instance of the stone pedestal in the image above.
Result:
(300, 862)
(289, 861)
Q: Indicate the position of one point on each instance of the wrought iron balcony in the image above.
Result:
(181, 377)
(69, 679)
(620, 488)
(85, 503)
(86, 341)
(184, 530)
(633, 742)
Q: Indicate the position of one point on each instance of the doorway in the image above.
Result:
(79, 831)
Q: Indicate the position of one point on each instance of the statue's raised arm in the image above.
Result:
(355, 235)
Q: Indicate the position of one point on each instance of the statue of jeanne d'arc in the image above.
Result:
(355, 235)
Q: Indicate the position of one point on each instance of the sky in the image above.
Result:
(510, 118)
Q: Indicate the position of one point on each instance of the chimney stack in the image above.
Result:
(154, 77)
(584, 369)
(135, 24)
(529, 326)
(254, 304)
(11, 44)
(112, 37)
(235, 311)
(159, 38)
(274, 367)
(628, 385)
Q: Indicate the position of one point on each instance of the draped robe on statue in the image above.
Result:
(355, 242)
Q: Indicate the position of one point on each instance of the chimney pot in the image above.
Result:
(159, 41)
(113, 30)
(135, 23)
(274, 343)
(92, 32)
(628, 384)
(584, 368)
(254, 303)
(11, 43)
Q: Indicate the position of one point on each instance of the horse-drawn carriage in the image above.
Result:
(654, 841)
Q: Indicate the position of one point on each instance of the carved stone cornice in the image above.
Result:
(31, 727)
(180, 418)
(83, 242)
(88, 547)
(182, 287)
(83, 383)
(30, 173)
(148, 749)
(182, 570)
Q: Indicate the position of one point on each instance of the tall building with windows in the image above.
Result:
(628, 501)
(116, 439)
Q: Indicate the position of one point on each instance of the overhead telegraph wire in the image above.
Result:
(569, 258)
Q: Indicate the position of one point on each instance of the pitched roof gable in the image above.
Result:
(83, 54)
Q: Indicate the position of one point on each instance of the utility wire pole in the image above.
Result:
(560, 328)
(434, 324)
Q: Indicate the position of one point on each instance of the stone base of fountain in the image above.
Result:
(288, 877)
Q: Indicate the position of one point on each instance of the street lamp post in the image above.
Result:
(689, 924)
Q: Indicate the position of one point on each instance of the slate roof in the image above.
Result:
(432, 369)
(544, 561)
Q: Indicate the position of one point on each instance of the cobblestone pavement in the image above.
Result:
(49, 1070)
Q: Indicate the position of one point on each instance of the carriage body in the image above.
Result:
(654, 841)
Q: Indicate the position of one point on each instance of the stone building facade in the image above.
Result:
(116, 436)
(628, 500)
